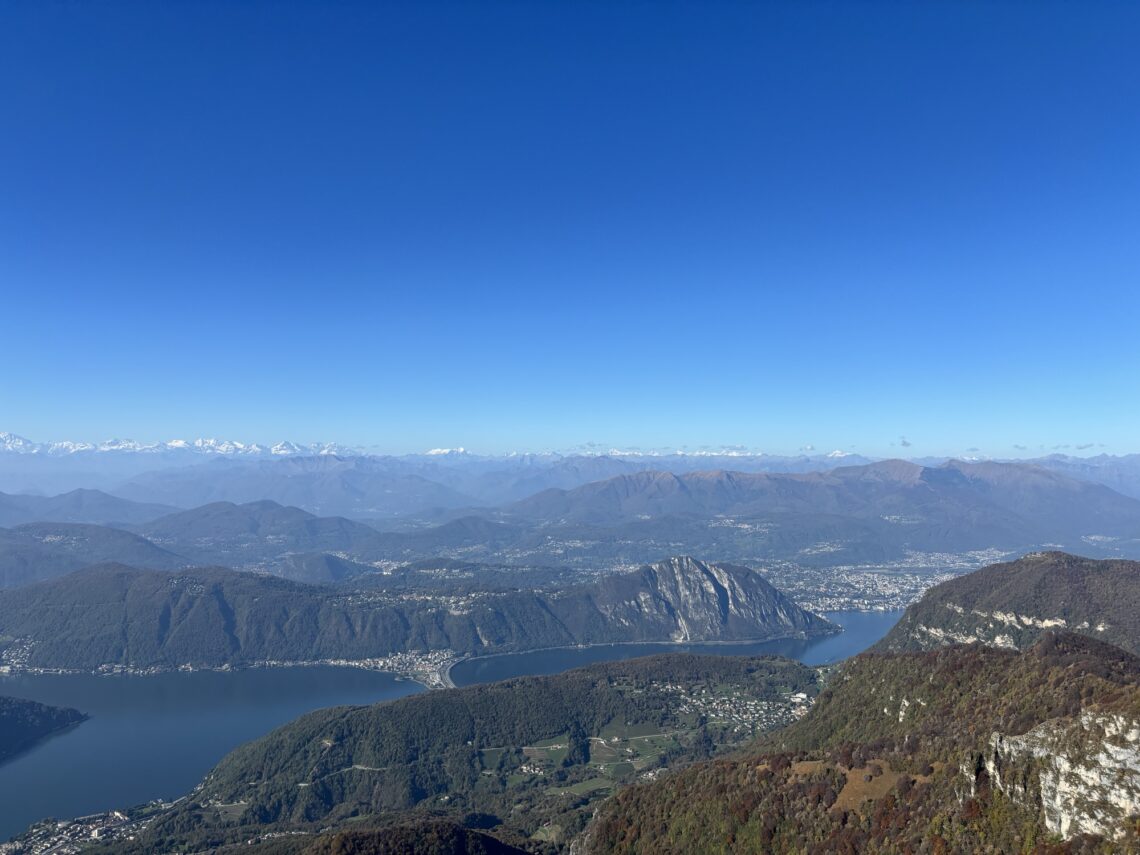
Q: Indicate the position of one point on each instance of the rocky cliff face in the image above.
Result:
(955, 624)
(1082, 773)
(696, 601)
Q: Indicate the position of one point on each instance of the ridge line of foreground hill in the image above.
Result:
(1010, 604)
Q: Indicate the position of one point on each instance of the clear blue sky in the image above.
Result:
(536, 225)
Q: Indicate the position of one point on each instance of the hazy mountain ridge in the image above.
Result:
(36, 552)
(890, 507)
(191, 473)
(482, 479)
(228, 533)
(876, 513)
(1120, 472)
(369, 486)
(946, 493)
(328, 485)
(77, 506)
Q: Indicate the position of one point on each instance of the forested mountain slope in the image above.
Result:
(964, 749)
(1011, 604)
(113, 615)
(36, 552)
(24, 723)
(525, 756)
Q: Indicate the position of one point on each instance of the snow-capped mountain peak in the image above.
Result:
(17, 444)
(205, 446)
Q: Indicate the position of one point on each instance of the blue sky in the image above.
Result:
(538, 225)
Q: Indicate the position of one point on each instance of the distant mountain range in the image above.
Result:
(112, 615)
(414, 485)
(878, 512)
(875, 513)
(992, 503)
(13, 444)
(244, 535)
(1120, 473)
(355, 486)
(329, 478)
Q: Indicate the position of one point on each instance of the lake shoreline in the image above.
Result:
(430, 675)
(854, 631)
(423, 677)
(94, 767)
(157, 737)
(446, 678)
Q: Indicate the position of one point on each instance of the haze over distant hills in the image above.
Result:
(878, 512)
(334, 479)
(989, 493)
(78, 506)
(301, 512)
(227, 533)
(36, 552)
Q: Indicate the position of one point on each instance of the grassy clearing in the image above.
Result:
(583, 787)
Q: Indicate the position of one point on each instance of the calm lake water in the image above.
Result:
(861, 630)
(157, 736)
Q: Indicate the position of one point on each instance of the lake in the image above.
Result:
(157, 736)
(860, 631)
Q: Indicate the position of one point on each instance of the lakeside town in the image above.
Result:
(71, 836)
(429, 668)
